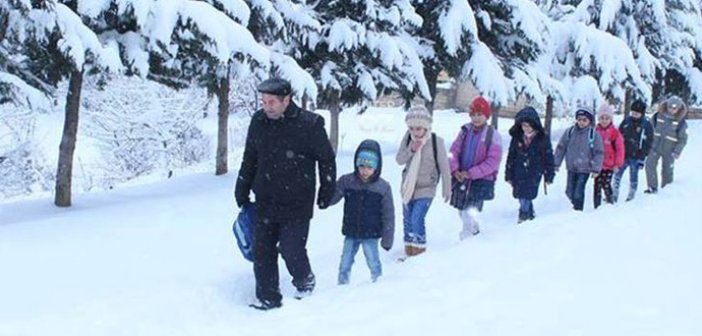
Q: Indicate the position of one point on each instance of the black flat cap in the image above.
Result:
(275, 86)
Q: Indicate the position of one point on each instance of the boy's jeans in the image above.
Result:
(414, 214)
(526, 206)
(370, 250)
(575, 189)
(634, 166)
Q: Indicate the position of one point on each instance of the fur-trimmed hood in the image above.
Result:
(682, 112)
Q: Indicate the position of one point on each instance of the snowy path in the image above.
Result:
(159, 259)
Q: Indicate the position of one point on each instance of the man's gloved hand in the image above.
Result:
(323, 203)
(640, 164)
(676, 156)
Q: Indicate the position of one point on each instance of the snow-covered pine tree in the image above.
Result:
(681, 57)
(444, 35)
(361, 52)
(18, 25)
(205, 43)
(68, 48)
(283, 26)
(591, 62)
(630, 21)
(515, 33)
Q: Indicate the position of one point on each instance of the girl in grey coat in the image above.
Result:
(582, 148)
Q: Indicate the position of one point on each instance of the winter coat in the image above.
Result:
(526, 164)
(428, 177)
(669, 131)
(368, 206)
(613, 144)
(582, 150)
(486, 161)
(279, 165)
(638, 137)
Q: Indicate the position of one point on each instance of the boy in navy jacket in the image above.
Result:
(369, 214)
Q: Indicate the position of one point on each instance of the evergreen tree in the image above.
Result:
(360, 52)
(68, 48)
(681, 55)
(281, 26)
(515, 33)
(444, 34)
(18, 84)
(206, 44)
(591, 62)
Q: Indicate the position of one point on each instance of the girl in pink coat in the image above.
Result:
(614, 151)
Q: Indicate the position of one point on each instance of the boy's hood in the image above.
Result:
(374, 146)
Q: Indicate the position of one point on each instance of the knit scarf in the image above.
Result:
(410, 182)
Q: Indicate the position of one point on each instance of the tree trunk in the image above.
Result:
(334, 111)
(454, 96)
(627, 102)
(67, 148)
(304, 102)
(431, 76)
(549, 115)
(222, 126)
(495, 115)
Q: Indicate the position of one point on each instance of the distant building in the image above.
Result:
(458, 95)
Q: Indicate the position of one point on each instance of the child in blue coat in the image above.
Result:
(530, 157)
(369, 214)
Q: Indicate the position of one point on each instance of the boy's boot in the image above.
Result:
(522, 217)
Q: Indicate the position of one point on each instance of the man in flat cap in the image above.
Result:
(282, 146)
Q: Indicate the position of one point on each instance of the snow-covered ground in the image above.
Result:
(160, 259)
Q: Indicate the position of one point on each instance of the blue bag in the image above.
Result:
(244, 230)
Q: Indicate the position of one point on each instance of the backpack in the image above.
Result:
(590, 136)
(243, 228)
(488, 138)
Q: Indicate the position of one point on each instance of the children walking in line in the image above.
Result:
(581, 147)
(475, 159)
(369, 214)
(669, 140)
(638, 137)
(424, 155)
(529, 158)
(613, 144)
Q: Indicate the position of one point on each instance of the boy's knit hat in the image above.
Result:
(367, 158)
(480, 105)
(638, 106)
(606, 110)
(585, 112)
(418, 116)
